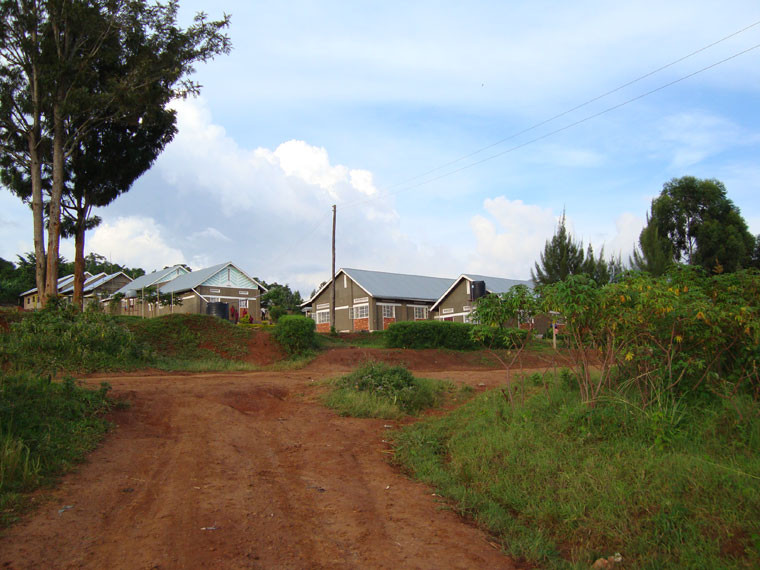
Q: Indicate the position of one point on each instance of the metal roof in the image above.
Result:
(493, 284)
(146, 280)
(498, 284)
(384, 285)
(87, 280)
(96, 281)
(197, 278)
(63, 282)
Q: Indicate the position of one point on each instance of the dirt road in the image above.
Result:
(244, 470)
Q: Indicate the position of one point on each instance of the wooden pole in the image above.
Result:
(332, 302)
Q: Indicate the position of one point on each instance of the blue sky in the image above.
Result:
(325, 103)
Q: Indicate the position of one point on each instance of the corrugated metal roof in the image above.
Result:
(498, 284)
(146, 280)
(197, 278)
(192, 279)
(384, 285)
(493, 285)
(96, 281)
(87, 281)
(64, 281)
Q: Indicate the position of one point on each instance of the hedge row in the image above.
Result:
(430, 334)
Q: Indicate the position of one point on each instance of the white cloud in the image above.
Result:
(510, 239)
(134, 242)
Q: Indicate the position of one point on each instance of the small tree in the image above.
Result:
(562, 257)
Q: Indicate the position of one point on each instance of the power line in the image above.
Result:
(550, 133)
(579, 106)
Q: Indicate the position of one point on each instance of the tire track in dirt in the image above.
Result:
(242, 470)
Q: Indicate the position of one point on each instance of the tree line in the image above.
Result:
(692, 222)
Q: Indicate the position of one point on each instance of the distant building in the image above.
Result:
(373, 300)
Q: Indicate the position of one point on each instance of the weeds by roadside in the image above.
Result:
(45, 428)
(563, 483)
(377, 390)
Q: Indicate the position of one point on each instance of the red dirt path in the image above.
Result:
(248, 470)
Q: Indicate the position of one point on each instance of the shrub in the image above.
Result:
(379, 390)
(296, 334)
(498, 337)
(430, 334)
(60, 337)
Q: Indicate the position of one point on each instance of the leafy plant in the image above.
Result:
(296, 334)
(430, 334)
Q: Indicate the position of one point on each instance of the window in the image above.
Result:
(214, 299)
(447, 311)
(323, 317)
(243, 303)
(345, 281)
(360, 312)
(215, 290)
(420, 313)
(389, 311)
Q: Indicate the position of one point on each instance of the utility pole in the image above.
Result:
(332, 276)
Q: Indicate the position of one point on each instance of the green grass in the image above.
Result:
(46, 428)
(563, 484)
(377, 390)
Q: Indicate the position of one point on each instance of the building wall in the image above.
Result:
(456, 306)
(349, 295)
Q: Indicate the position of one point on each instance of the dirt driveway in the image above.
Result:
(244, 470)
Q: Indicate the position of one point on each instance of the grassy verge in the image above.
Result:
(563, 484)
(377, 390)
(45, 428)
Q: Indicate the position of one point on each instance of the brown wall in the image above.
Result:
(455, 303)
(345, 293)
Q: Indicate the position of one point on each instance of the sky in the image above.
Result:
(450, 136)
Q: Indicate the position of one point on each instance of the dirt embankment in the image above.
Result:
(248, 470)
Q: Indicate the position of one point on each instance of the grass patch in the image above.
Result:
(45, 428)
(377, 390)
(563, 484)
(192, 337)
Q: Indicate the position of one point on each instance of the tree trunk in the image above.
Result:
(35, 165)
(79, 258)
(56, 192)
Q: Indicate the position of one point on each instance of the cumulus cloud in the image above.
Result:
(510, 238)
(134, 242)
(266, 209)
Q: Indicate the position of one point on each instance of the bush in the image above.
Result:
(379, 390)
(498, 337)
(295, 334)
(430, 334)
(60, 337)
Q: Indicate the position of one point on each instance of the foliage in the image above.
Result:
(75, 73)
(563, 257)
(379, 390)
(15, 279)
(429, 334)
(702, 225)
(45, 428)
(280, 300)
(296, 334)
(60, 338)
(681, 333)
(499, 337)
(654, 255)
(562, 484)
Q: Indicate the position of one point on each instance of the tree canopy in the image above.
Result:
(693, 222)
(70, 69)
(563, 257)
